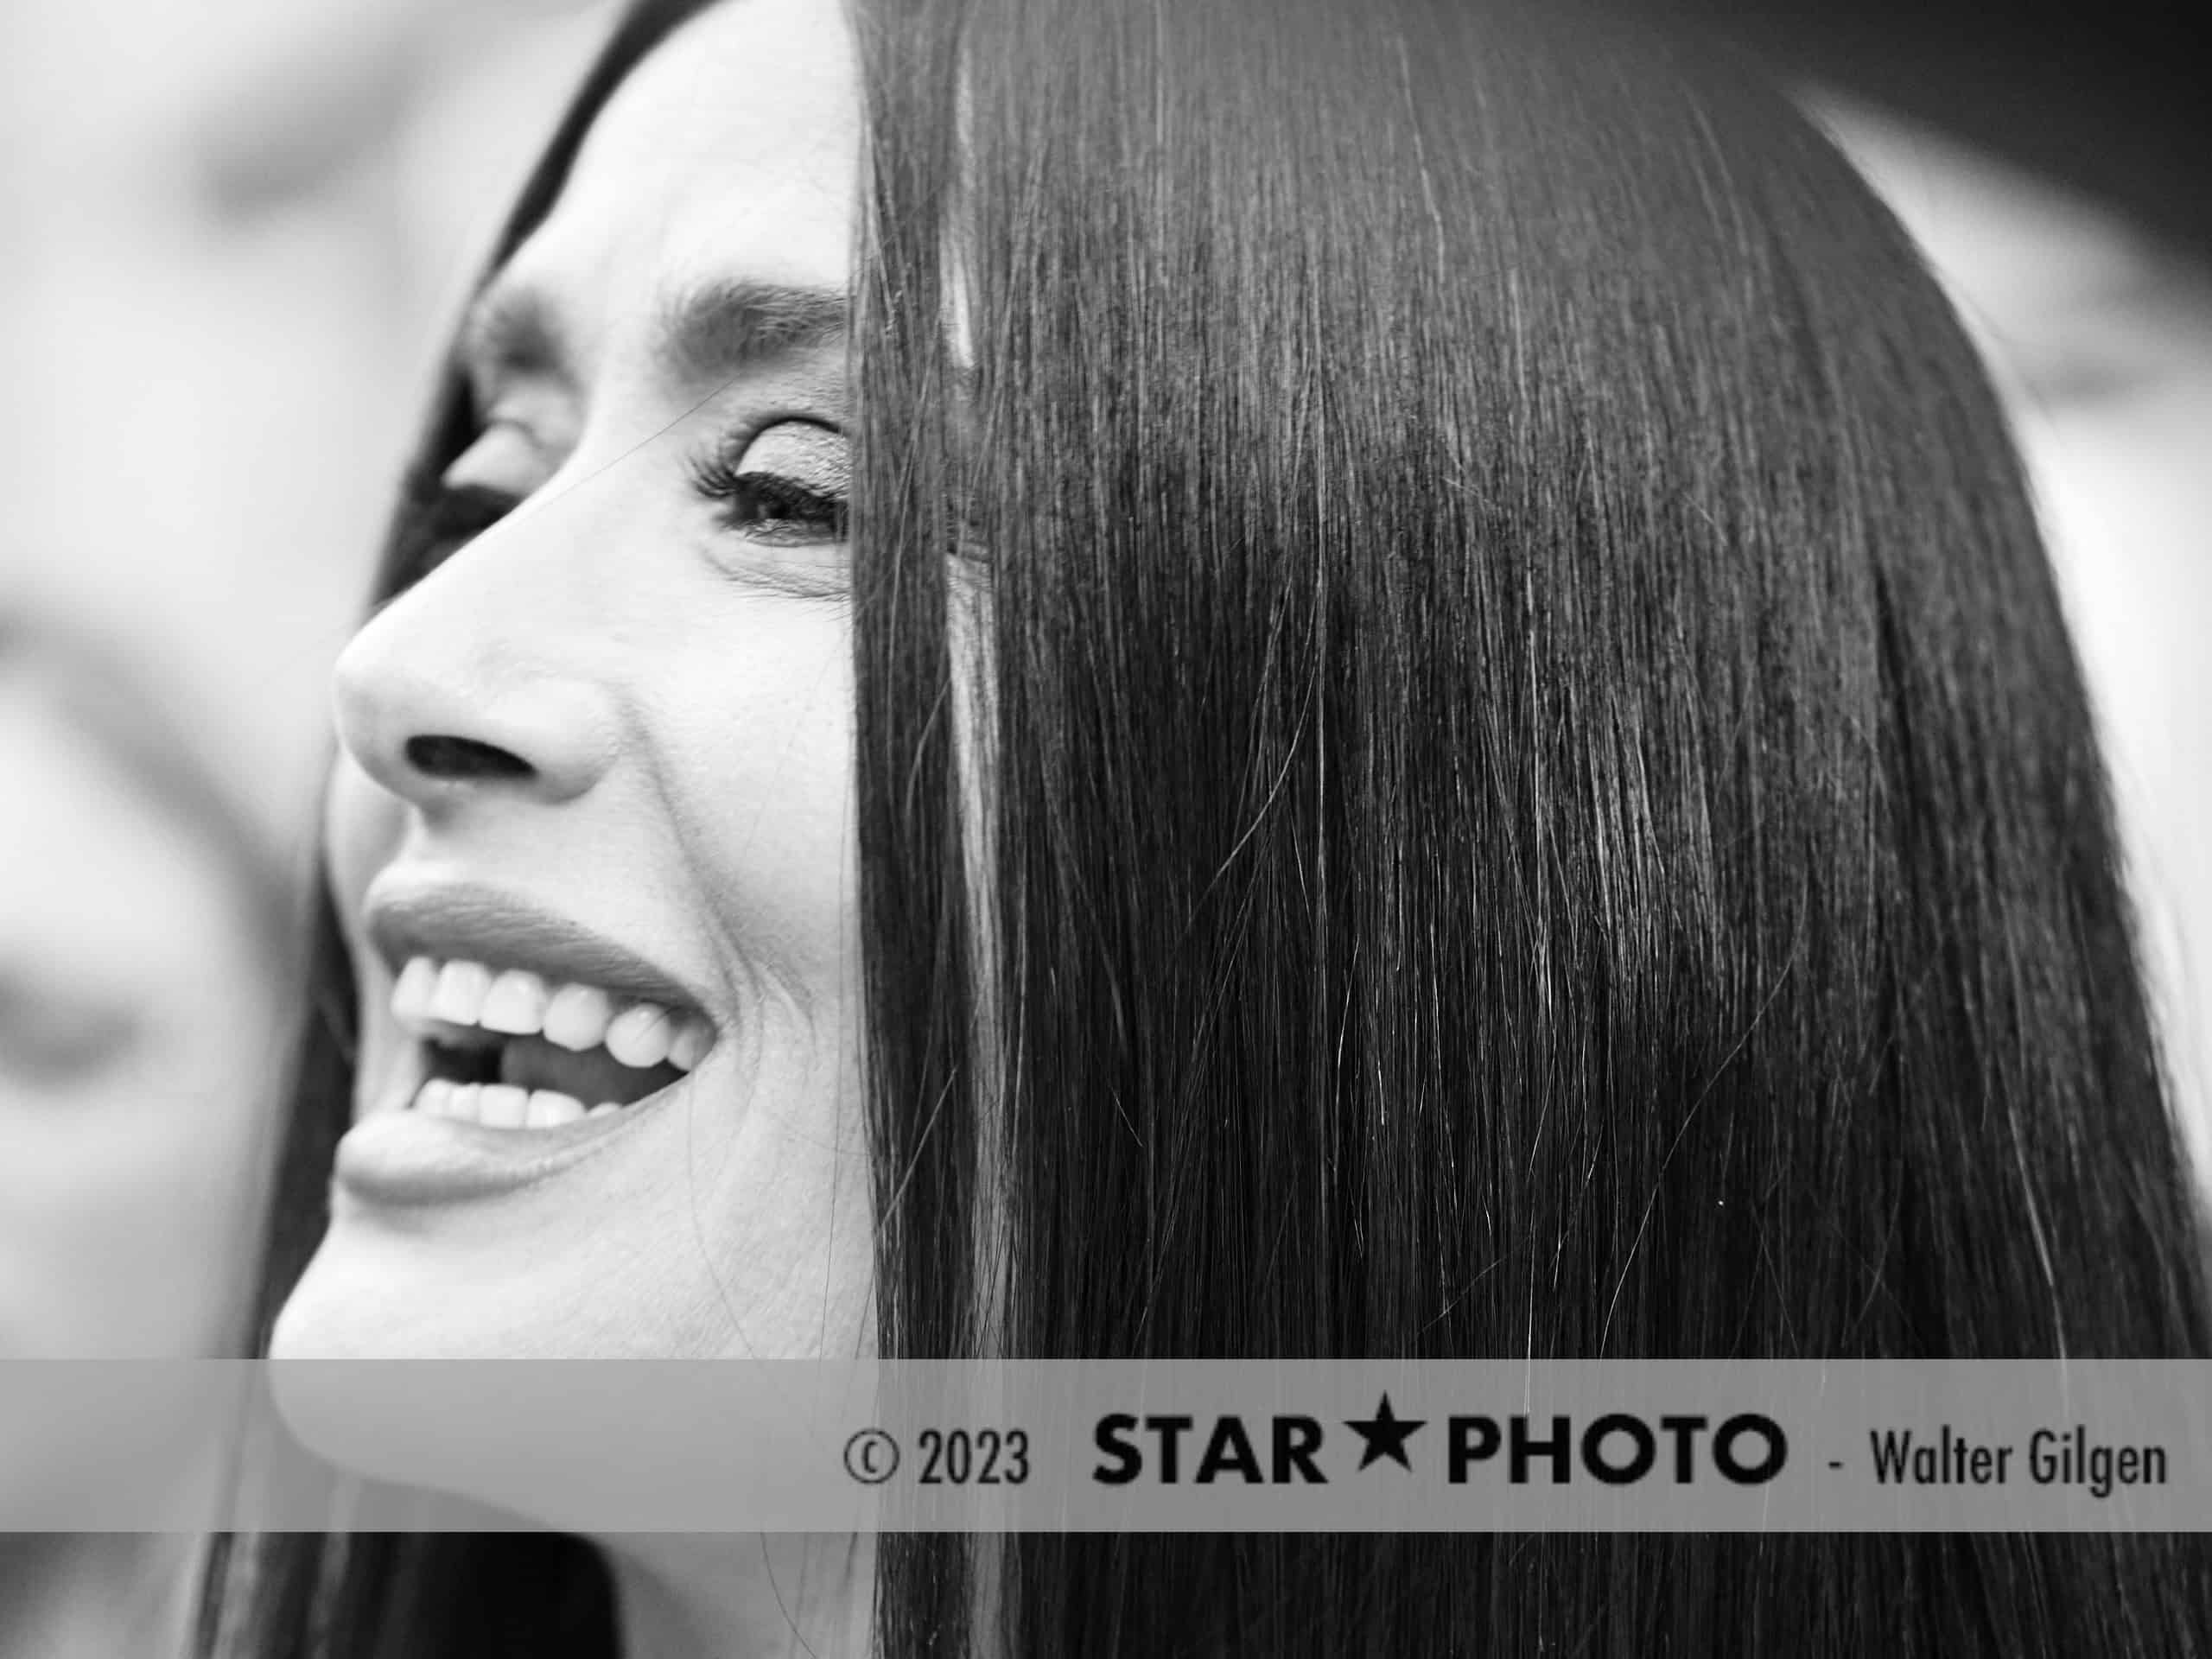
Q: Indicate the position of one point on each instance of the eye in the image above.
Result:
(787, 486)
(438, 518)
(53, 1040)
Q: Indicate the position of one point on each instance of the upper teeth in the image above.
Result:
(517, 1003)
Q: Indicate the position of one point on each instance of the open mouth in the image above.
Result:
(508, 1049)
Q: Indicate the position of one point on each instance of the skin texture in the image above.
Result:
(680, 691)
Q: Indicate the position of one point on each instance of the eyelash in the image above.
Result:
(768, 506)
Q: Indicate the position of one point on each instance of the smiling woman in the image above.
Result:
(591, 838)
(1395, 696)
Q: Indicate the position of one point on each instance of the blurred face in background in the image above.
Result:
(138, 1028)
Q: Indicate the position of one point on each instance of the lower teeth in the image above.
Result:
(501, 1106)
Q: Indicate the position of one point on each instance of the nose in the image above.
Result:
(462, 687)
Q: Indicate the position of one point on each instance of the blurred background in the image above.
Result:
(235, 230)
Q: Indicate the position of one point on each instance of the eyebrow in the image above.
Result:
(709, 331)
(703, 332)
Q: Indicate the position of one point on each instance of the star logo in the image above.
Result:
(1385, 1434)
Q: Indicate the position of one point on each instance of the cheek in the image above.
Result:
(763, 791)
(362, 828)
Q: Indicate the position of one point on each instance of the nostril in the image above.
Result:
(454, 759)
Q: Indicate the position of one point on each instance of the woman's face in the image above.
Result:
(591, 834)
(138, 1031)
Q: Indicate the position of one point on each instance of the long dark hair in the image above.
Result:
(1538, 803)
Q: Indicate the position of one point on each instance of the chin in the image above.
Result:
(375, 1292)
(362, 1299)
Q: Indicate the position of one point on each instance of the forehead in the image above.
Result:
(729, 154)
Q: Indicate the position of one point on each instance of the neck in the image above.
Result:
(92, 1595)
(743, 1595)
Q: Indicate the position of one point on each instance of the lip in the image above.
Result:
(405, 1160)
(483, 924)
